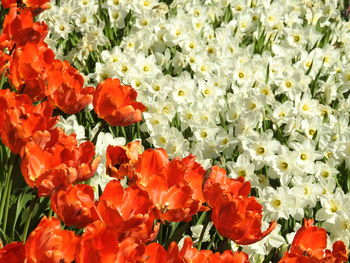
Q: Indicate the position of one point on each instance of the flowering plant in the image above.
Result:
(174, 131)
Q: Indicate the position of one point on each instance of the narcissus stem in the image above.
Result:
(202, 235)
(211, 241)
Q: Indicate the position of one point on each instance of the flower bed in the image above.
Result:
(174, 131)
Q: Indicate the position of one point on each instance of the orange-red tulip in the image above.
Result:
(190, 254)
(239, 219)
(218, 181)
(54, 160)
(13, 253)
(173, 189)
(20, 119)
(33, 4)
(75, 205)
(48, 243)
(234, 214)
(116, 103)
(309, 245)
(19, 28)
(100, 244)
(8, 3)
(129, 211)
(65, 88)
(4, 58)
(120, 159)
(28, 69)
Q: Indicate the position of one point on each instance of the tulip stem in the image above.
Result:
(5, 197)
(202, 235)
(9, 186)
(201, 218)
(50, 214)
(31, 209)
(2, 81)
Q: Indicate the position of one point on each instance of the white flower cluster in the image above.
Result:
(260, 86)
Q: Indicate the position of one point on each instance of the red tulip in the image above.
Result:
(53, 160)
(19, 28)
(28, 69)
(33, 4)
(193, 255)
(65, 88)
(100, 244)
(115, 103)
(309, 245)
(48, 243)
(234, 214)
(75, 205)
(121, 159)
(13, 253)
(129, 211)
(174, 186)
(21, 120)
(4, 59)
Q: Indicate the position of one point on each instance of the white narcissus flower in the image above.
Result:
(281, 166)
(332, 205)
(117, 16)
(197, 230)
(62, 28)
(307, 190)
(242, 167)
(305, 156)
(278, 203)
(84, 19)
(261, 148)
(340, 227)
(103, 72)
(71, 125)
(264, 246)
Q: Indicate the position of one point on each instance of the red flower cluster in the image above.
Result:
(309, 246)
(123, 220)
(234, 214)
(31, 66)
(100, 243)
(32, 4)
(21, 120)
(53, 160)
(171, 185)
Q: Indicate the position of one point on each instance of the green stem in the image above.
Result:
(26, 227)
(94, 140)
(123, 132)
(201, 219)
(7, 186)
(173, 228)
(7, 206)
(211, 241)
(2, 81)
(160, 234)
(202, 235)
(50, 214)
